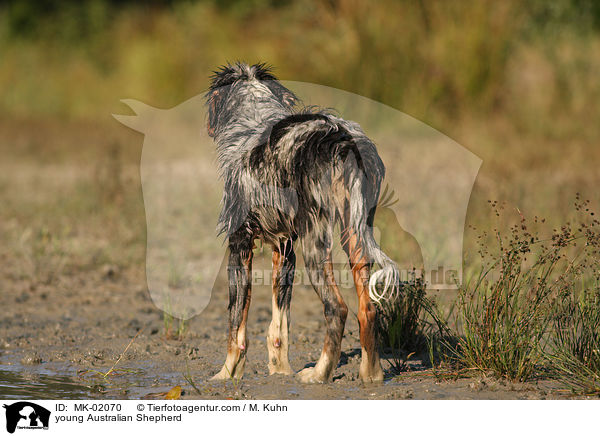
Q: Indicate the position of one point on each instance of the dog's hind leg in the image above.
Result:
(317, 258)
(370, 367)
(240, 274)
(284, 263)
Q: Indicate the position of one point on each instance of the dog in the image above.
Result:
(292, 174)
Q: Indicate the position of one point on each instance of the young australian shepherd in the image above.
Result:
(290, 175)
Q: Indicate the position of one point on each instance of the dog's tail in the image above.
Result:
(384, 283)
(364, 181)
(388, 278)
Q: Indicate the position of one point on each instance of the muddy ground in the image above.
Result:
(55, 338)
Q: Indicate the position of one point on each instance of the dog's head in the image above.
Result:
(235, 85)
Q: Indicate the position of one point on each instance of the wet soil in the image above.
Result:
(57, 341)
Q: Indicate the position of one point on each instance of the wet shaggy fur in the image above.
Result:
(293, 174)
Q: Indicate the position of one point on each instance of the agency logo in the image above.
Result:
(26, 415)
(419, 223)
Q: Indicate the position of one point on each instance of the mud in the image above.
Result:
(57, 341)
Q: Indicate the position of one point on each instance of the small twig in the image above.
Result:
(123, 353)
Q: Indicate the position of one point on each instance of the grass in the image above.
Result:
(521, 317)
(174, 328)
(406, 325)
(113, 372)
(190, 379)
(533, 311)
(504, 323)
(504, 311)
(574, 353)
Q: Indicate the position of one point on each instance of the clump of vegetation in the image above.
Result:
(575, 348)
(533, 310)
(406, 324)
(504, 321)
(504, 314)
(175, 328)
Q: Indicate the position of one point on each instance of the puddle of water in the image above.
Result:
(17, 382)
(57, 382)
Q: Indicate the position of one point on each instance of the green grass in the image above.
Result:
(524, 302)
(574, 352)
(504, 322)
(524, 315)
(174, 328)
(406, 325)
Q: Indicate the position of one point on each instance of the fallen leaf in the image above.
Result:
(174, 393)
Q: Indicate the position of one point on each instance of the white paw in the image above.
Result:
(310, 375)
(226, 374)
(375, 375)
(221, 375)
(281, 369)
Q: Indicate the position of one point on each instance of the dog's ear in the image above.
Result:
(214, 101)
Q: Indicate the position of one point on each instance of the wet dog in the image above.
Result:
(292, 175)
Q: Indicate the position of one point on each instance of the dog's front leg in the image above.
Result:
(284, 263)
(240, 275)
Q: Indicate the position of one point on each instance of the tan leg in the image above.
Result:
(284, 261)
(370, 366)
